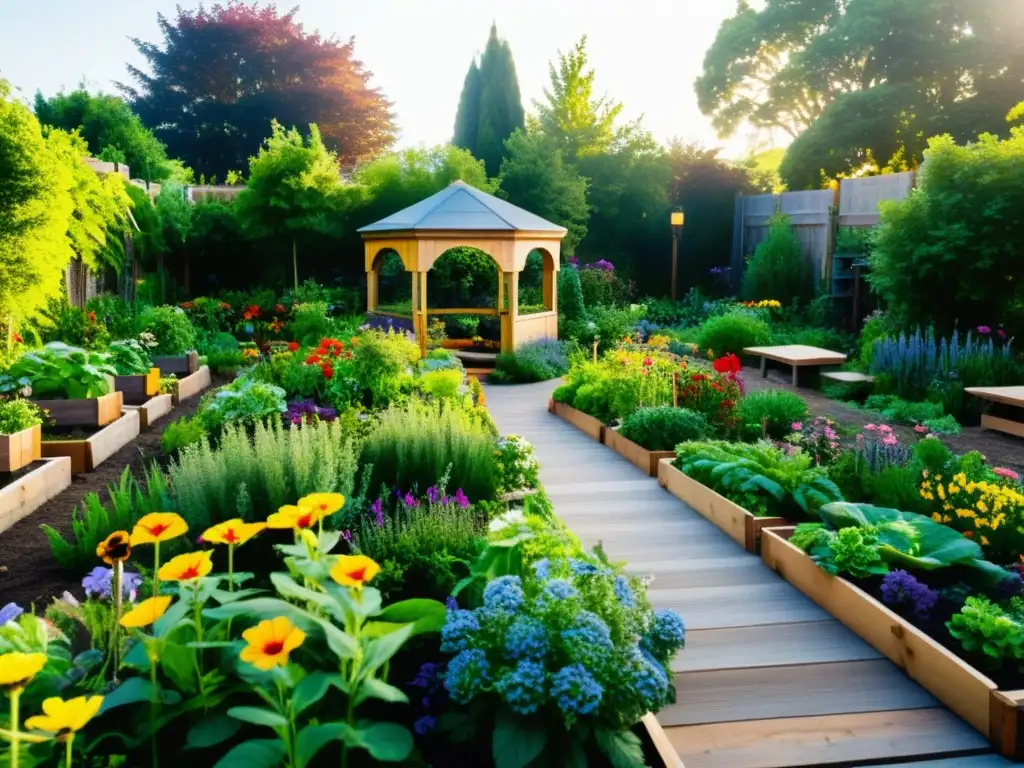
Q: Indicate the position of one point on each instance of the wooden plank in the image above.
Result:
(179, 365)
(808, 642)
(637, 455)
(975, 761)
(582, 421)
(739, 606)
(797, 354)
(84, 412)
(691, 574)
(832, 739)
(29, 492)
(1004, 395)
(956, 684)
(848, 377)
(20, 449)
(666, 753)
(75, 450)
(192, 385)
(759, 693)
(139, 388)
(111, 439)
(997, 424)
(152, 410)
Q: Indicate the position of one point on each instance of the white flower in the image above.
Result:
(512, 517)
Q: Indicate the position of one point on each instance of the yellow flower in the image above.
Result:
(354, 570)
(146, 612)
(65, 717)
(116, 548)
(18, 669)
(270, 642)
(187, 567)
(157, 527)
(235, 531)
(294, 517)
(324, 503)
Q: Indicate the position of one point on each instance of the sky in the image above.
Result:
(647, 53)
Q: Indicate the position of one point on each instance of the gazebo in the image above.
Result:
(461, 215)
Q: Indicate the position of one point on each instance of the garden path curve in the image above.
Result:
(768, 679)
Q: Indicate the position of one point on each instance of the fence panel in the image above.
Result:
(859, 198)
(809, 215)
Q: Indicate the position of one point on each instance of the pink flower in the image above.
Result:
(796, 426)
(920, 429)
(1009, 474)
(890, 440)
(870, 427)
(1002, 333)
(830, 434)
(984, 329)
(885, 428)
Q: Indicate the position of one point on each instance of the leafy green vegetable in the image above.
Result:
(984, 627)
(129, 357)
(60, 371)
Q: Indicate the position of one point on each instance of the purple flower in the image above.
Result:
(347, 535)
(99, 582)
(984, 330)
(433, 494)
(378, 511)
(796, 426)
(902, 590)
(9, 613)
(460, 499)
(409, 500)
(451, 603)
(424, 725)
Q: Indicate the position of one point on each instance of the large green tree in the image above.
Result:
(112, 132)
(224, 72)
(35, 204)
(490, 107)
(293, 189)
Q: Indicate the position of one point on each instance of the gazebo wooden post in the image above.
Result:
(422, 333)
(511, 315)
(372, 284)
(550, 286)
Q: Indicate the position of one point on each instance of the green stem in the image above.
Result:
(156, 568)
(118, 597)
(231, 567)
(350, 712)
(153, 703)
(67, 754)
(15, 695)
(198, 620)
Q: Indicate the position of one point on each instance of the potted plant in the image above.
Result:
(137, 378)
(20, 434)
(72, 384)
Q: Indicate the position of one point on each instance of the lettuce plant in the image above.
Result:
(129, 357)
(58, 371)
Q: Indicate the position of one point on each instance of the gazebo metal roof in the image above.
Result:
(463, 207)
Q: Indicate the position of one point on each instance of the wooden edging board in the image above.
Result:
(88, 454)
(152, 410)
(636, 454)
(666, 753)
(29, 492)
(583, 422)
(139, 388)
(84, 412)
(739, 524)
(963, 689)
(20, 449)
(179, 365)
(192, 385)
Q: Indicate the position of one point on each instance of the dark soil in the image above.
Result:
(28, 572)
(1000, 450)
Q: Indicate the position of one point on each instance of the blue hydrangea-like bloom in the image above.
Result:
(99, 582)
(575, 690)
(649, 679)
(589, 641)
(583, 568)
(424, 725)
(667, 635)
(526, 639)
(624, 592)
(542, 569)
(504, 594)
(557, 589)
(467, 674)
(523, 688)
(9, 613)
(458, 631)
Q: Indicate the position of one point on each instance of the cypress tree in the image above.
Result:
(490, 108)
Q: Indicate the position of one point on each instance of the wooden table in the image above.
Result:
(797, 356)
(1010, 399)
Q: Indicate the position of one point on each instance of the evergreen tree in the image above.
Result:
(490, 108)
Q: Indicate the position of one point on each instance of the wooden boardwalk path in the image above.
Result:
(768, 679)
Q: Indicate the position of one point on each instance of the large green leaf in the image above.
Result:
(517, 741)
(425, 615)
(213, 729)
(131, 691)
(387, 742)
(313, 738)
(379, 651)
(378, 689)
(256, 753)
(311, 689)
(622, 748)
(258, 716)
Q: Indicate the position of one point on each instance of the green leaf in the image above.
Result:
(131, 691)
(517, 741)
(387, 742)
(342, 643)
(213, 729)
(622, 748)
(258, 716)
(378, 689)
(256, 753)
(425, 615)
(286, 586)
(310, 690)
(260, 608)
(380, 650)
(178, 662)
(172, 618)
(313, 738)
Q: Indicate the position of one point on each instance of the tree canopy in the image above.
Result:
(490, 107)
(223, 73)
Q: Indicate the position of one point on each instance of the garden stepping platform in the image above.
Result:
(848, 377)
(768, 679)
(796, 356)
(1009, 398)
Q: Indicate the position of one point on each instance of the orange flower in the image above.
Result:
(354, 570)
(235, 531)
(187, 567)
(297, 518)
(325, 503)
(146, 612)
(270, 642)
(117, 547)
(157, 527)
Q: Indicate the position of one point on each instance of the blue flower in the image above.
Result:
(504, 594)
(542, 569)
(424, 725)
(583, 568)
(557, 590)
(523, 688)
(575, 691)
(589, 641)
(467, 674)
(624, 592)
(458, 631)
(649, 679)
(667, 635)
(9, 613)
(526, 639)
(99, 582)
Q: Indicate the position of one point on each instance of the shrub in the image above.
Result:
(732, 333)
(246, 400)
(225, 361)
(309, 323)
(518, 469)
(779, 407)
(17, 415)
(664, 427)
(602, 286)
(412, 446)
(66, 323)
(182, 432)
(570, 297)
(129, 357)
(445, 384)
(171, 327)
(538, 360)
(778, 270)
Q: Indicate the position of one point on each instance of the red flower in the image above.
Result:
(186, 305)
(280, 309)
(328, 371)
(17, 338)
(698, 377)
(225, 305)
(313, 360)
(727, 403)
(92, 317)
(293, 346)
(348, 355)
(648, 362)
(727, 364)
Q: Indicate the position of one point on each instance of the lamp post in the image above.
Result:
(677, 219)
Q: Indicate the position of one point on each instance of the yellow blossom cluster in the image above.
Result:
(763, 304)
(991, 514)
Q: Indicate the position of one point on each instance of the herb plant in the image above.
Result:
(662, 428)
(171, 328)
(777, 409)
(17, 415)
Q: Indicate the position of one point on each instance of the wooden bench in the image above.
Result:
(797, 356)
(1010, 399)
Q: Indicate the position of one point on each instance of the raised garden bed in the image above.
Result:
(24, 491)
(646, 460)
(84, 412)
(88, 451)
(20, 449)
(587, 424)
(739, 524)
(190, 386)
(950, 679)
(179, 365)
(152, 410)
(139, 388)
(657, 748)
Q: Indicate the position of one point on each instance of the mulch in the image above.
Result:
(28, 572)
